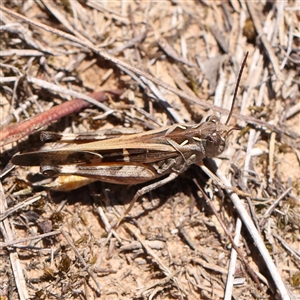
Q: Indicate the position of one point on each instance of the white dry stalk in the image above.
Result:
(8, 232)
(247, 221)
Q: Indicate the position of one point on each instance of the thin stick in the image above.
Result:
(13, 243)
(8, 233)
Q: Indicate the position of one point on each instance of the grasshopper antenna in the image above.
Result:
(236, 88)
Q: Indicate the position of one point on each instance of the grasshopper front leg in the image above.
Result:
(143, 191)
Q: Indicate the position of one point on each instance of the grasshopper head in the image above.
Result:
(215, 137)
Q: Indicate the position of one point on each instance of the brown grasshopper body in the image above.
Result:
(133, 158)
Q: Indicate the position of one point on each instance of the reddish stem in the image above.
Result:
(15, 132)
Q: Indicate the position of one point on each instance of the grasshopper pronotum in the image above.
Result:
(124, 158)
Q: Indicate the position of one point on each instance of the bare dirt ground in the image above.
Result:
(171, 61)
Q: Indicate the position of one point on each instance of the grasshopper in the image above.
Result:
(133, 158)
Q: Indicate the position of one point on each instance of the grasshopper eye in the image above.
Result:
(213, 140)
(215, 145)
